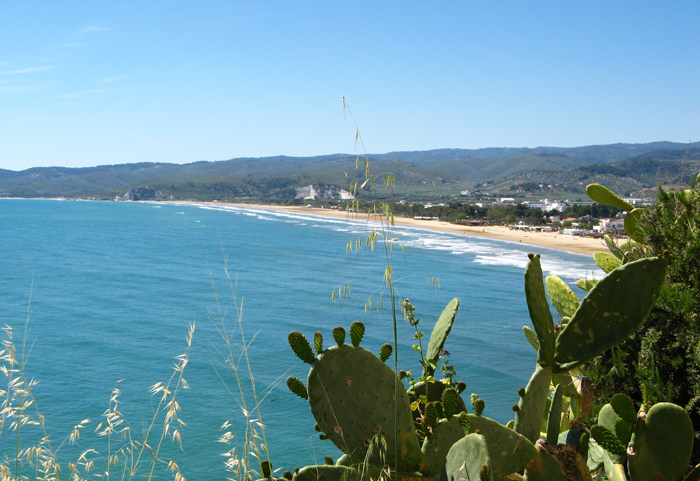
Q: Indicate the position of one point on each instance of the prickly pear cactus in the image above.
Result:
(438, 443)
(297, 387)
(612, 310)
(339, 335)
(324, 472)
(606, 261)
(442, 329)
(558, 463)
(357, 332)
(662, 444)
(301, 347)
(563, 298)
(354, 396)
(540, 314)
(509, 451)
(605, 196)
(469, 458)
(533, 404)
(385, 352)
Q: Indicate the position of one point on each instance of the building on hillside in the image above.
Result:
(545, 205)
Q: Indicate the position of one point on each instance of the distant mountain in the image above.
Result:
(277, 177)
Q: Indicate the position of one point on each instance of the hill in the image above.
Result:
(421, 172)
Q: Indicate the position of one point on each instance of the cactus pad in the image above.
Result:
(633, 223)
(342, 384)
(606, 261)
(385, 352)
(539, 310)
(605, 196)
(586, 284)
(318, 342)
(450, 401)
(531, 337)
(301, 347)
(533, 403)
(339, 335)
(357, 332)
(607, 440)
(509, 451)
(469, 458)
(562, 297)
(613, 248)
(611, 311)
(324, 472)
(442, 329)
(663, 444)
(624, 407)
(438, 443)
(297, 387)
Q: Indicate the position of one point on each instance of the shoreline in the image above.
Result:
(551, 240)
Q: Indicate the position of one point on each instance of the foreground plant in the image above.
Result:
(360, 407)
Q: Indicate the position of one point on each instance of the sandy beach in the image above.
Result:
(553, 240)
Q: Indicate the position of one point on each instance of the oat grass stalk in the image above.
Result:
(234, 358)
(20, 415)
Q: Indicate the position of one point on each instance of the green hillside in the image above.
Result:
(437, 173)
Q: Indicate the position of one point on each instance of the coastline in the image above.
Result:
(552, 240)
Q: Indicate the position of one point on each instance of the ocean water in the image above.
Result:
(109, 290)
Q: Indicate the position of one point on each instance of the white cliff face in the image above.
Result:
(315, 192)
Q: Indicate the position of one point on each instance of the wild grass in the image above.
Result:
(116, 452)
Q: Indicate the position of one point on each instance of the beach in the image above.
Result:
(552, 240)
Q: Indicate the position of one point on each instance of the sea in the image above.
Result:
(98, 298)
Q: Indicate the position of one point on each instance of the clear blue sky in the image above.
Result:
(102, 82)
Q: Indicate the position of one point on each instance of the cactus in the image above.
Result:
(357, 332)
(562, 297)
(385, 352)
(509, 451)
(469, 458)
(624, 407)
(633, 223)
(318, 342)
(297, 387)
(450, 402)
(465, 422)
(532, 404)
(554, 417)
(662, 444)
(438, 443)
(539, 310)
(324, 472)
(301, 347)
(531, 337)
(614, 248)
(605, 196)
(606, 261)
(339, 335)
(558, 463)
(442, 329)
(342, 383)
(433, 391)
(656, 446)
(586, 284)
(611, 311)
(478, 404)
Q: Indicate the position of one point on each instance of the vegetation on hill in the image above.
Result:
(430, 175)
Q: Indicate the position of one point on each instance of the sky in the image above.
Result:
(85, 83)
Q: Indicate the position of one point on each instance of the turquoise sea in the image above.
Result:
(110, 289)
